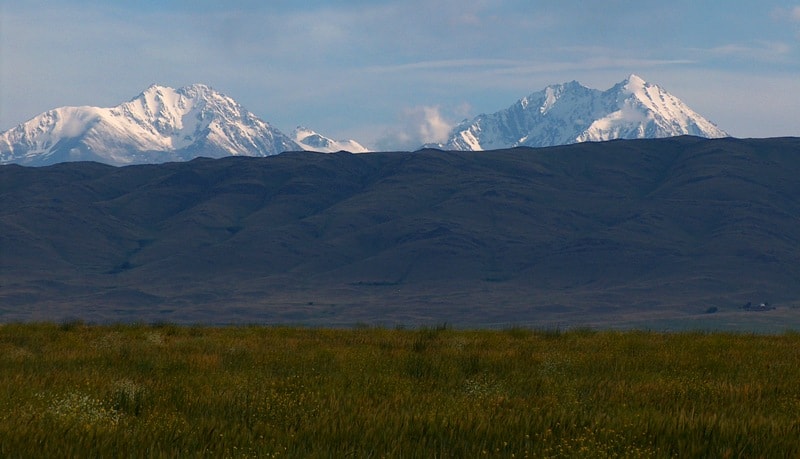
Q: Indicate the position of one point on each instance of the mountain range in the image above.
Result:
(163, 124)
(653, 233)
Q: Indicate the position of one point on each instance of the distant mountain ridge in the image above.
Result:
(572, 113)
(161, 124)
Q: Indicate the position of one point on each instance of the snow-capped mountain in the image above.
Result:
(165, 124)
(313, 141)
(570, 112)
(160, 124)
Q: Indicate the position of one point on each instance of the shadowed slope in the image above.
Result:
(590, 233)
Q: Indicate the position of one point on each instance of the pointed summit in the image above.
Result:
(635, 80)
(570, 112)
(199, 87)
(152, 89)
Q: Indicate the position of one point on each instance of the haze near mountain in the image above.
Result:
(571, 113)
(161, 124)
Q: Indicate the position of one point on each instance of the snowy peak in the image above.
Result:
(313, 141)
(646, 110)
(183, 116)
(570, 112)
(160, 124)
(634, 82)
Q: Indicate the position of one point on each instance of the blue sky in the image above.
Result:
(394, 74)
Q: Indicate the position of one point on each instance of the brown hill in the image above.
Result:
(615, 233)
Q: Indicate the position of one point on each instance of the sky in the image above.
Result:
(395, 74)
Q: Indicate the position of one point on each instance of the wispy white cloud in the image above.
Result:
(484, 68)
(766, 51)
(443, 64)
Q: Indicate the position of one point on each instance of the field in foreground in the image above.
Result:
(72, 390)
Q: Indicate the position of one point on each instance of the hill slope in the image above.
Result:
(608, 233)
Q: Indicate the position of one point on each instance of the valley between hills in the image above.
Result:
(664, 233)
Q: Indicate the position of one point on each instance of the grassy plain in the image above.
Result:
(73, 390)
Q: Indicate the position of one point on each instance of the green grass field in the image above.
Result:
(72, 390)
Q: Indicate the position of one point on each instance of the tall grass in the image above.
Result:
(168, 391)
